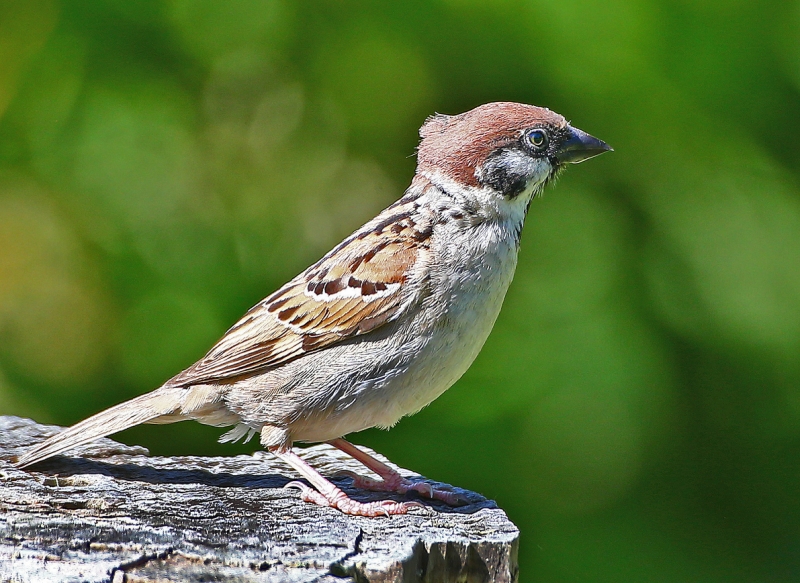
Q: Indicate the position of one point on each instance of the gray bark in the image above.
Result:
(116, 514)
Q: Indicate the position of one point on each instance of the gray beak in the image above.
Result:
(580, 146)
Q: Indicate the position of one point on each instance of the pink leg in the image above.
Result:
(391, 481)
(326, 494)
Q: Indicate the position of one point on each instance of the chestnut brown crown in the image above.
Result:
(459, 145)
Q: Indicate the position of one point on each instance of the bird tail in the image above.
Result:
(160, 406)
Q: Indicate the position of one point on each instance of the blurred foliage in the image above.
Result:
(165, 165)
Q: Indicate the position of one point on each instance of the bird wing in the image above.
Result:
(356, 288)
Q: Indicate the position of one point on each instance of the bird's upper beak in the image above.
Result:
(580, 146)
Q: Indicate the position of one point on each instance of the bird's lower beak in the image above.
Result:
(580, 146)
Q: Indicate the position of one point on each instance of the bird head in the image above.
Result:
(509, 148)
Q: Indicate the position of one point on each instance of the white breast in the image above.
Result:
(472, 280)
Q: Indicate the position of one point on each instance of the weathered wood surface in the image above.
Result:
(118, 514)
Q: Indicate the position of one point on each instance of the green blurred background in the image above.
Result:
(165, 165)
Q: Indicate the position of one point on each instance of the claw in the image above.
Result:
(403, 485)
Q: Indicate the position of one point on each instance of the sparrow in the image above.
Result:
(385, 322)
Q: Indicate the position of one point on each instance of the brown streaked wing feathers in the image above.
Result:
(301, 317)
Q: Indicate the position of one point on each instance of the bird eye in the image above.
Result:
(537, 138)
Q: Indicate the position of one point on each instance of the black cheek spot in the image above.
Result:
(503, 176)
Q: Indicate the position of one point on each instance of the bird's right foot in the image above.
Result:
(394, 482)
(342, 502)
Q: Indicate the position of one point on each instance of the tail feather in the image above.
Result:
(161, 402)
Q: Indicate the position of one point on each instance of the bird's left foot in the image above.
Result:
(396, 483)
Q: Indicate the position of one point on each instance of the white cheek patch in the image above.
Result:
(540, 169)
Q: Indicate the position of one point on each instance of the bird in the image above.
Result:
(385, 322)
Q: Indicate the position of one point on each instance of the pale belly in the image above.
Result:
(447, 357)
(433, 370)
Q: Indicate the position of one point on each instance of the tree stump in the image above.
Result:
(116, 514)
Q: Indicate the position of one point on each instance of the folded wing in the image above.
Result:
(356, 288)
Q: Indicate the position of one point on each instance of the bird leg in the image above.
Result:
(391, 481)
(326, 494)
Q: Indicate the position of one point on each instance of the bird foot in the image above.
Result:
(399, 484)
(339, 500)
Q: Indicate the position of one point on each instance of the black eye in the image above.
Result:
(537, 138)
